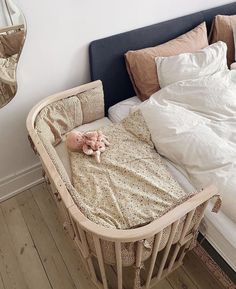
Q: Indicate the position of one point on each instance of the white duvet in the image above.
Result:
(193, 124)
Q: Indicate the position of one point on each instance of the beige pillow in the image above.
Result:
(11, 44)
(141, 63)
(222, 29)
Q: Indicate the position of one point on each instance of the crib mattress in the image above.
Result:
(131, 186)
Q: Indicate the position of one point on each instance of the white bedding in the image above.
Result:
(195, 128)
(201, 63)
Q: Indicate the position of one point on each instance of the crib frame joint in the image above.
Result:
(57, 195)
(32, 145)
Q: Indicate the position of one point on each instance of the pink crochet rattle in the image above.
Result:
(91, 143)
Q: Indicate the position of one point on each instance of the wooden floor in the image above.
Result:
(35, 252)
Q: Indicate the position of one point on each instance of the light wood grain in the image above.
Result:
(24, 247)
(10, 272)
(50, 257)
(64, 244)
(1, 282)
(150, 229)
(198, 273)
(98, 248)
(153, 258)
(167, 248)
(119, 264)
(162, 284)
(178, 279)
(32, 218)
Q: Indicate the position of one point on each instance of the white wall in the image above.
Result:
(55, 57)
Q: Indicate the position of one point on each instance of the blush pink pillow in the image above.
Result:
(141, 63)
(222, 30)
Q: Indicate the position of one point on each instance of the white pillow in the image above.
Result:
(185, 66)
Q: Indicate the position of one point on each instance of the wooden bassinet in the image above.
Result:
(164, 241)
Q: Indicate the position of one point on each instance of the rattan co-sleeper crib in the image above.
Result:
(170, 236)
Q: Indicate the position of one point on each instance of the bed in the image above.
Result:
(220, 229)
(159, 245)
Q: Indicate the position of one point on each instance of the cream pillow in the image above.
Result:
(185, 66)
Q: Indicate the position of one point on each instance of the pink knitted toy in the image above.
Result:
(91, 143)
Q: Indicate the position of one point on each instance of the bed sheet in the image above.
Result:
(120, 110)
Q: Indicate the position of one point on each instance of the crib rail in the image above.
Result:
(11, 28)
(172, 257)
(152, 228)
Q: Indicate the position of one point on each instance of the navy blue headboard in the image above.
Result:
(107, 54)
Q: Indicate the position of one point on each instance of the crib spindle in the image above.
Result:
(118, 264)
(167, 249)
(138, 262)
(184, 251)
(195, 228)
(98, 249)
(154, 256)
(182, 237)
(87, 254)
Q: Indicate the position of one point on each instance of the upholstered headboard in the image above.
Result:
(107, 54)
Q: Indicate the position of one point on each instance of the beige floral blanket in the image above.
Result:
(131, 186)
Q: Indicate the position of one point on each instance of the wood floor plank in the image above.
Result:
(11, 276)
(63, 241)
(179, 280)
(198, 273)
(1, 282)
(50, 256)
(36, 253)
(163, 284)
(128, 274)
(24, 248)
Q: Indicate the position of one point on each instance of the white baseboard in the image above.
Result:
(14, 184)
